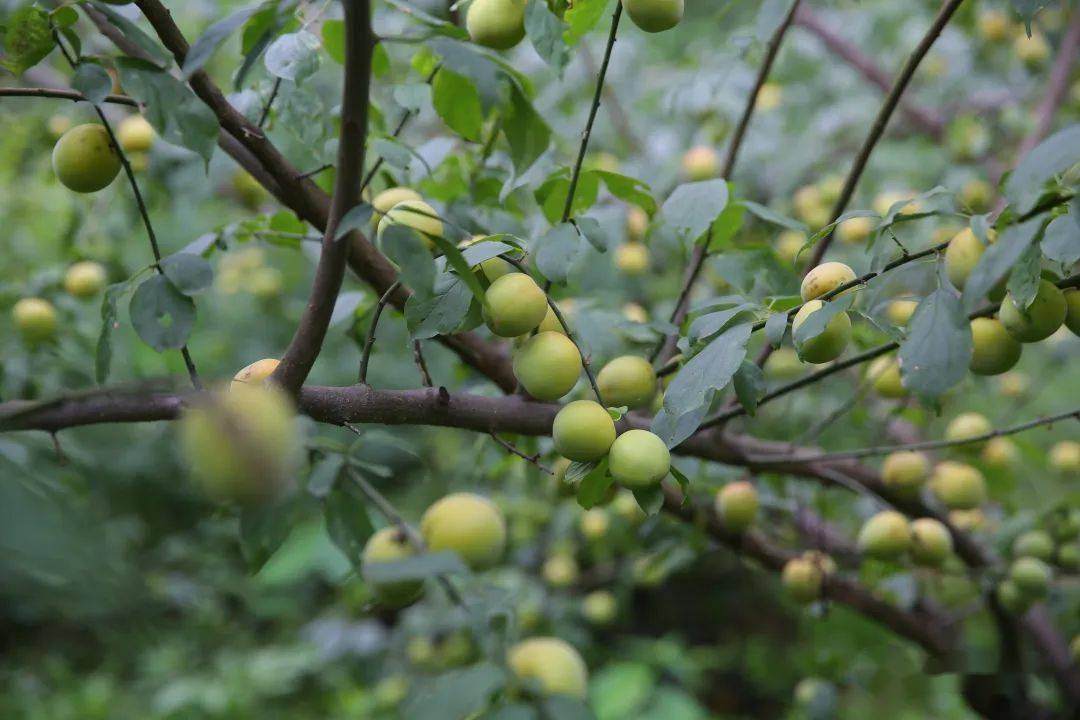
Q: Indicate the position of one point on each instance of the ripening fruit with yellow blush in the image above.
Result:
(135, 134)
(632, 258)
(830, 344)
(1000, 453)
(854, 230)
(1033, 51)
(514, 305)
(635, 313)
(737, 505)
(931, 543)
(783, 364)
(58, 125)
(884, 373)
(599, 607)
(1065, 457)
(962, 255)
(701, 163)
(655, 15)
(560, 570)
(497, 24)
(583, 431)
(1040, 320)
(966, 426)
(885, 536)
(976, 195)
(994, 350)
(552, 664)
(788, 245)
(994, 25)
(35, 319)
(547, 365)
(900, 311)
(769, 97)
(905, 470)
(415, 214)
(84, 158)
(810, 206)
(639, 459)
(824, 279)
(637, 222)
(390, 545)
(628, 381)
(387, 199)
(884, 202)
(802, 580)
(468, 524)
(958, 486)
(85, 279)
(255, 374)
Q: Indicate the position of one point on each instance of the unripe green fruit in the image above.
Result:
(737, 505)
(958, 486)
(84, 158)
(514, 305)
(900, 311)
(1031, 575)
(560, 571)
(1072, 310)
(385, 201)
(135, 134)
(1011, 599)
(498, 24)
(824, 279)
(1068, 556)
(931, 542)
(1000, 452)
(994, 350)
(583, 431)
(415, 214)
(551, 322)
(35, 319)
(242, 446)
(962, 255)
(1034, 543)
(822, 561)
(905, 470)
(638, 458)
(547, 365)
(254, 374)
(802, 580)
(85, 279)
(654, 15)
(386, 546)
(1040, 320)
(599, 607)
(701, 163)
(885, 536)
(552, 663)
(966, 426)
(594, 523)
(884, 373)
(627, 381)
(1065, 457)
(783, 364)
(470, 525)
(830, 344)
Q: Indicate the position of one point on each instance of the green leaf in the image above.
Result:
(692, 208)
(818, 321)
(590, 229)
(1027, 9)
(593, 487)
(418, 567)
(776, 327)
(1061, 241)
(27, 39)
(525, 131)
(998, 260)
(356, 218)
(1024, 278)
(92, 81)
(749, 386)
(258, 33)
(516, 711)
(440, 314)
(324, 475)
(558, 249)
(103, 354)
(462, 267)
(457, 102)
(64, 16)
(211, 40)
(191, 274)
(628, 189)
(583, 15)
(333, 40)
(545, 31)
(263, 530)
(564, 707)
(171, 107)
(161, 315)
(454, 695)
(347, 520)
(771, 216)
(150, 46)
(1054, 155)
(650, 499)
(621, 689)
(937, 351)
(293, 56)
(408, 251)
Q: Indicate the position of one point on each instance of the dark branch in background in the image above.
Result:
(922, 117)
(513, 450)
(618, 114)
(882, 119)
(306, 344)
(60, 94)
(189, 363)
(1056, 86)
(369, 343)
(666, 347)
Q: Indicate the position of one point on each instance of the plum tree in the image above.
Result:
(547, 365)
(654, 15)
(254, 374)
(994, 350)
(242, 446)
(824, 279)
(884, 373)
(638, 458)
(35, 319)
(905, 471)
(628, 380)
(85, 279)
(832, 341)
(931, 543)
(514, 305)
(135, 134)
(389, 545)
(737, 505)
(958, 486)
(583, 431)
(701, 163)
(468, 524)
(553, 664)
(1040, 320)
(498, 24)
(415, 214)
(1034, 543)
(84, 158)
(886, 535)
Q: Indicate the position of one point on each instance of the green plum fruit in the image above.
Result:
(514, 305)
(1072, 310)
(931, 542)
(497, 24)
(655, 15)
(85, 279)
(470, 525)
(547, 365)
(885, 536)
(802, 580)
(638, 459)
(958, 486)
(994, 350)
(830, 344)
(1034, 543)
(1039, 321)
(389, 545)
(905, 470)
(583, 431)
(737, 505)
(1031, 575)
(628, 381)
(84, 158)
(884, 373)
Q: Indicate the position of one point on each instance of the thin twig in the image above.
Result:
(269, 102)
(369, 343)
(513, 450)
(882, 119)
(618, 113)
(60, 94)
(312, 173)
(421, 364)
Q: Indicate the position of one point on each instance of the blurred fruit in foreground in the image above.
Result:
(84, 158)
(35, 319)
(1000, 453)
(737, 505)
(248, 189)
(1034, 543)
(470, 525)
(135, 134)
(255, 374)
(552, 663)
(966, 426)
(701, 163)
(1033, 51)
(599, 607)
(802, 580)
(900, 311)
(994, 25)
(783, 364)
(389, 545)
(1013, 384)
(85, 279)
(788, 245)
(632, 258)
(1065, 457)
(560, 570)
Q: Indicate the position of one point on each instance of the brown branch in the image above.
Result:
(61, 94)
(514, 450)
(882, 119)
(619, 117)
(421, 364)
(1056, 86)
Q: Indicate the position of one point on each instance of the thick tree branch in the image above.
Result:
(882, 120)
